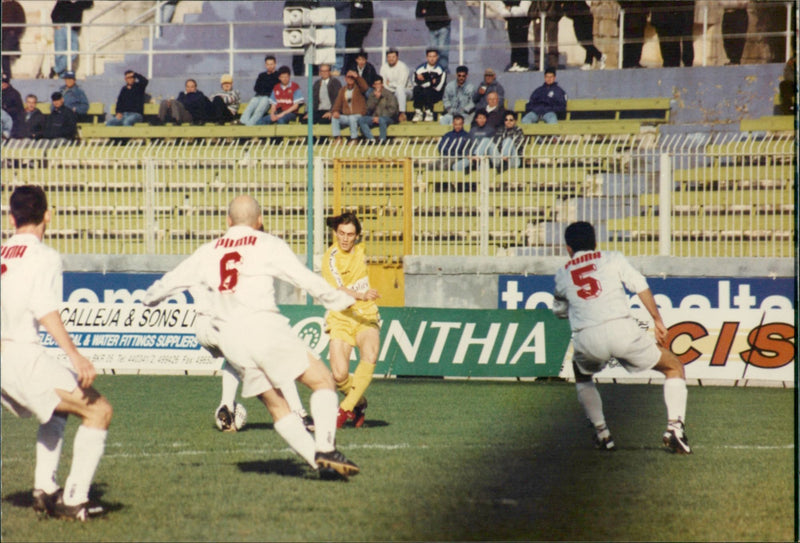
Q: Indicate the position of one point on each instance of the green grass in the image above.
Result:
(448, 460)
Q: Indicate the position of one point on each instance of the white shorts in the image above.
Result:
(634, 348)
(264, 351)
(30, 377)
(207, 335)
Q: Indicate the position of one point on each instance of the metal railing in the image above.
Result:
(728, 195)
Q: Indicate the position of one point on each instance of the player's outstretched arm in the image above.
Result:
(86, 372)
(649, 302)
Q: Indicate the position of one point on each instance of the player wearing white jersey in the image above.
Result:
(590, 291)
(236, 275)
(34, 383)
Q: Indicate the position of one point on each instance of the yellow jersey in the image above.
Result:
(349, 270)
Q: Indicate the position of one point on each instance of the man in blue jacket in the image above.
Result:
(456, 145)
(546, 102)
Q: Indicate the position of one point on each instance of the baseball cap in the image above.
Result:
(226, 78)
(489, 71)
(68, 75)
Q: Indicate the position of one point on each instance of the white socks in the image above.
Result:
(293, 398)
(324, 409)
(675, 395)
(230, 382)
(87, 451)
(291, 429)
(589, 398)
(49, 440)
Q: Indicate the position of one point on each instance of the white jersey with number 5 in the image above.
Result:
(593, 284)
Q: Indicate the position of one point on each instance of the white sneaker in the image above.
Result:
(417, 116)
(516, 68)
(586, 67)
(428, 116)
(602, 65)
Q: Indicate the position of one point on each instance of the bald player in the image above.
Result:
(236, 273)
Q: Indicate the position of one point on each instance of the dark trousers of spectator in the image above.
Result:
(173, 111)
(551, 41)
(518, 38)
(675, 36)
(633, 28)
(734, 21)
(354, 38)
(584, 31)
(318, 113)
(426, 97)
(221, 113)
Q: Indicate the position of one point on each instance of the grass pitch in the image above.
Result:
(448, 460)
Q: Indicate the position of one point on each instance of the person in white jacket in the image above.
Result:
(395, 74)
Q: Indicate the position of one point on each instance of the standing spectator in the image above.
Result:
(298, 60)
(583, 23)
(434, 12)
(429, 81)
(67, 12)
(494, 111)
(734, 29)
(633, 27)
(191, 106)
(546, 102)
(35, 383)
(552, 14)
(62, 124)
(324, 92)
(489, 84)
(590, 291)
(674, 23)
(13, 14)
(350, 105)
(457, 98)
(31, 123)
(342, 8)
(74, 97)
(395, 79)
(455, 146)
(361, 15)
(382, 110)
(12, 101)
(510, 143)
(129, 109)
(265, 83)
(787, 88)
(365, 69)
(285, 100)
(225, 103)
(518, 23)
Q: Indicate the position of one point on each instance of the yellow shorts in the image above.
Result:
(346, 327)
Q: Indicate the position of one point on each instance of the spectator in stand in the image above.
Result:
(635, 21)
(489, 84)
(13, 14)
(324, 91)
(734, 28)
(429, 81)
(130, 101)
(62, 123)
(455, 146)
(361, 15)
(482, 136)
(552, 12)
(285, 100)
(66, 12)
(395, 79)
(546, 102)
(583, 23)
(31, 123)
(495, 112)
(457, 98)
(225, 103)
(350, 105)
(12, 101)
(8, 124)
(510, 142)
(788, 87)
(342, 8)
(437, 20)
(382, 110)
(518, 22)
(674, 23)
(191, 106)
(365, 69)
(259, 104)
(74, 97)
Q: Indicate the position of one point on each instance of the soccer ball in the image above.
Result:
(230, 422)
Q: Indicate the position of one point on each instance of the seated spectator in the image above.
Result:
(62, 123)
(31, 124)
(130, 101)
(12, 101)
(429, 81)
(395, 79)
(494, 111)
(482, 133)
(8, 124)
(546, 102)
(225, 103)
(457, 98)
(285, 100)
(259, 104)
(509, 142)
(456, 145)
(489, 84)
(365, 69)
(324, 92)
(382, 110)
(74, 97)
(191, 106)
(350, 105)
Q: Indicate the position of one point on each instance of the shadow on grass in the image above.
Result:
(278, 466)
(24, 498)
